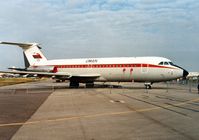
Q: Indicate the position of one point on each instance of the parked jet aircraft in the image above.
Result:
(88, 70)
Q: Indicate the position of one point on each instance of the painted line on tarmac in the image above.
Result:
(92, 116)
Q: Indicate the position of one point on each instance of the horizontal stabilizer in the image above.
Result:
(19, 69)
(23, 45)
(32, 53)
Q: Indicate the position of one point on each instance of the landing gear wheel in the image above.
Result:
(74, 84)
(89, 85)
(147, 85)
(58, 81)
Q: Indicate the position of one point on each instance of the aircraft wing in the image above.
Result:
(83, 78)
(48, 74)
(59, 75)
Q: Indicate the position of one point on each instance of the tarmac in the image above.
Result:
(48, 111)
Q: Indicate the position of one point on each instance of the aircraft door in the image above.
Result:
(131, 73)
(127, 73)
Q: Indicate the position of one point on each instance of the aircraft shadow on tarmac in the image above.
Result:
(51, 88)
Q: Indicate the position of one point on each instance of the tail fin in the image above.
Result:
(31, 51)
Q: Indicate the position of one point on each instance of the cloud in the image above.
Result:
(91, 28)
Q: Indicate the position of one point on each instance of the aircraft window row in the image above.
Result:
(165, 63)
(98, 66)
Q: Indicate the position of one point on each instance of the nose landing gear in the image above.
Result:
(148, 85)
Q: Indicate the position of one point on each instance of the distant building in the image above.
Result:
(192, 78)
(1, 75)
(193, 75)
(6, 75)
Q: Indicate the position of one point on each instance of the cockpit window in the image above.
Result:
(166, 63)
(171, 63)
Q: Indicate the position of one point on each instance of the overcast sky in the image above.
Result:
(102, 28)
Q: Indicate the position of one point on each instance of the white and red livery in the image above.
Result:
(88, 70)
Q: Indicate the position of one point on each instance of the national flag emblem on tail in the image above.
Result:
(37, 56)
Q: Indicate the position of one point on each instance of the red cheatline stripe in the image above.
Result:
(111, 66)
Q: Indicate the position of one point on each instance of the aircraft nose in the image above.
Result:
(185, 73)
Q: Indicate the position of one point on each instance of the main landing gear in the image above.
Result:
(59, 81)
(76, 84)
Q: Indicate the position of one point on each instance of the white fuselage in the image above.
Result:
(122, 69)
(89, 70)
